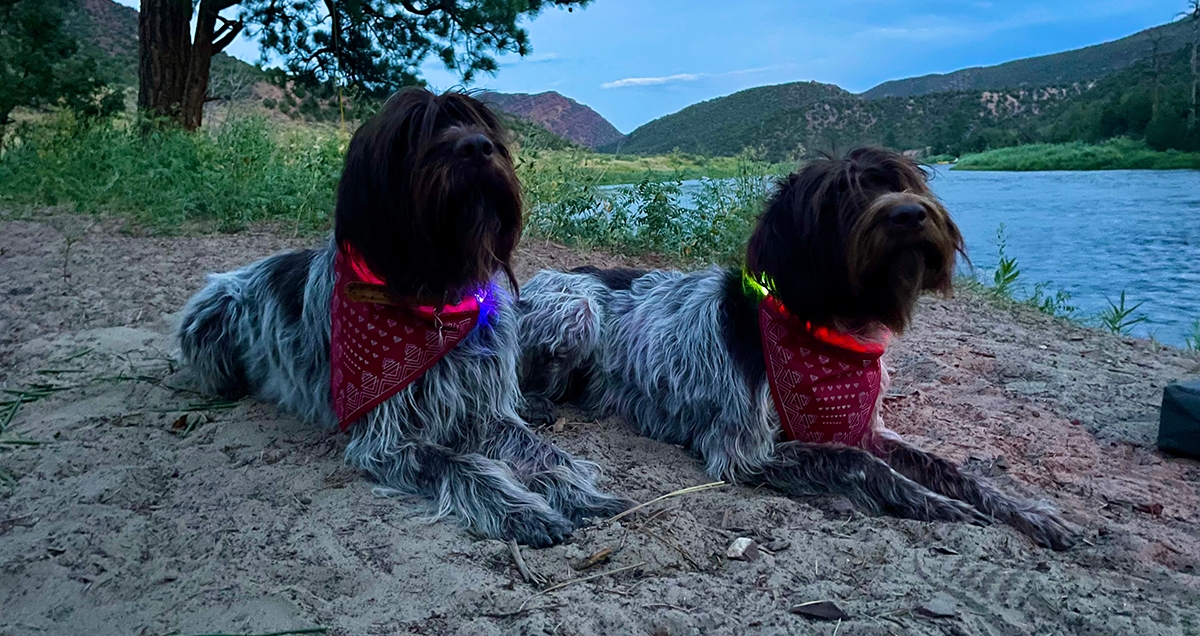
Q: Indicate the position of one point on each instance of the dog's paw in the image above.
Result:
(597, 508)
(537, 528)
(946, 509)
(1046, 528)
(539, 411)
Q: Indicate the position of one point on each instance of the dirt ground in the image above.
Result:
(151, 510)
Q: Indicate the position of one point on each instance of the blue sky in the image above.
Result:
(636, 60)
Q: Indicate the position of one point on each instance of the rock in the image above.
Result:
(600, 556)
(742, 549)
(821, 610)
(940, 606)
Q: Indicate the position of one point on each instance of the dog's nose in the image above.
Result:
(908, 215)
(474, 147)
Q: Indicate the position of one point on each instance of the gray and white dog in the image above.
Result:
(430, 202)
(848, 244)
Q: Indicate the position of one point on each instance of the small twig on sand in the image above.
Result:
(677, 493)
(22, 442)
(590, 577)
(559, 586)
(286, 632)
(667, 606)
(527, 574)
(673, 546)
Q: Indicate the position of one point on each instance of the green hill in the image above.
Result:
(1068, 67)
(108, 32)
(792, 121)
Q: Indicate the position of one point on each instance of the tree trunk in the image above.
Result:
(195, 92)
(164, 47)
(173, 71)
(1191, 125)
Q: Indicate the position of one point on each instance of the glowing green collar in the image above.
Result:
(756, 288)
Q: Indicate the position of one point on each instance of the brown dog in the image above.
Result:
(772, 372)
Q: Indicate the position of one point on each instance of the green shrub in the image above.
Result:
(168, 179)
(1119, 318)
(565, 202)
(1112, 154)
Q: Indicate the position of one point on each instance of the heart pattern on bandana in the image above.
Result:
(361, 377)
(823, 393)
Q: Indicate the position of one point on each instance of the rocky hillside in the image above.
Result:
(1047, 99)
(560, 115)
(792, 121)
(108, 32)
(1069, 67)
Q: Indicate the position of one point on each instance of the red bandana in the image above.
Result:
(825, 384)
(375, 350)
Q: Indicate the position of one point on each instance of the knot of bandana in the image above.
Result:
(377, 349)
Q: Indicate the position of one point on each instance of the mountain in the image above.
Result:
(1096, 98)
(792, 121)
(560, 115)
(1068, 67)
(108, 32)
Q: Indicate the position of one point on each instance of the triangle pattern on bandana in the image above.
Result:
(377, 350)
(824, 388)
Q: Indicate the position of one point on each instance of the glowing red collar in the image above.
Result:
(378, 349)
(825, 384)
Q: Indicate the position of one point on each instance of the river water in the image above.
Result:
(1091, 234)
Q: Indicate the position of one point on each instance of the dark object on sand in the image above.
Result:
(1179, 424)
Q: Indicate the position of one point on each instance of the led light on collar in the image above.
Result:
(757, 288)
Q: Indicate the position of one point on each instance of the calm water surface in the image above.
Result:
(1092, 234)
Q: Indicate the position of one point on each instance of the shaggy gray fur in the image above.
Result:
(452, 437)
(658, 354)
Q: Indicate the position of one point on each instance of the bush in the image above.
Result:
(1110, 155)
(168, 179)
(565, 202)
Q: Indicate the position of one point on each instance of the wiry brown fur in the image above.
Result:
(834, 256)
(430, 201)
(425, 220)
(847, 243)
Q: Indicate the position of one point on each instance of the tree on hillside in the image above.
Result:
(376, 46)
(38, 65)
(1193, 15)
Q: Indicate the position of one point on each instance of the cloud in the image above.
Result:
(631, 82)
(538, 58)
(653, 81)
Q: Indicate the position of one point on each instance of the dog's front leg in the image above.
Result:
(815, 469)
(482, 492)
(1035, 519)
(560, 334)
(568, 483)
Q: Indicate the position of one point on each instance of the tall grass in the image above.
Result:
(252, 170)
(566, 201)
(606, 169)
(1115, 154)
(170, 180)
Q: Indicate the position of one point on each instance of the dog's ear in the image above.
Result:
(372, 182)
(428, 216)
(797, 245)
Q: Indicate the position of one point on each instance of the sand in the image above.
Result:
(151, 510)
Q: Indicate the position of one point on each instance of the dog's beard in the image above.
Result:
(888, 271)
(473, 216)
